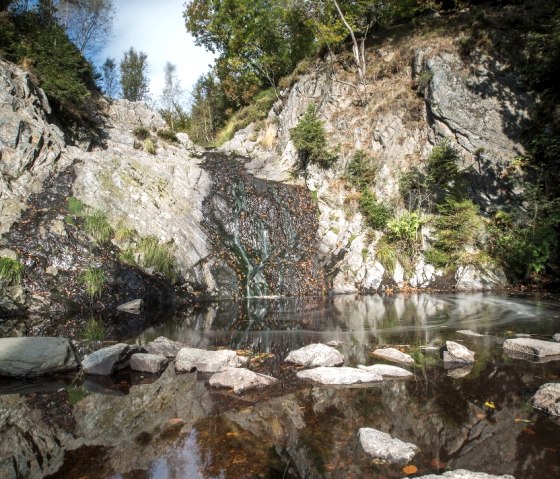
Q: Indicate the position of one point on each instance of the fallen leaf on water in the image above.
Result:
(378, 460)
(410, 469)
(490, 404)
(437, 464)
(480, 415)
(529, 431)
(232, 434)
(518, 419)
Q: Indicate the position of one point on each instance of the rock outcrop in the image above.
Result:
(457, 354)
(315, 355)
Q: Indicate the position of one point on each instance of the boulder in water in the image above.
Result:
(393, 354)
(381, 445)
(456, 353)
(207, 361)
(387, 371)
(164, 347)
(148, 363)
(133, 307)
(547, 398)
(340, 376)
(36, 356)
(241, 379)
(532, 347)
(106, 361)
(315, 355)
(464, 474)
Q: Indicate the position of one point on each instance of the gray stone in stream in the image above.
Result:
(392, 354)
(547, 398)
(457, 354)
(534, 347)
(556, 338)
(315, 355)
(464, 474)
(106, 361)
(148, 363)
(340, 376)
(241, 379)
(458, 372)
(164, 347)
(468, 332)
(133, 307)
(207, 361)
(36, 356)
(381, 445)
(387, 371)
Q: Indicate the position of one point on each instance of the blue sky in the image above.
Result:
(157, 28)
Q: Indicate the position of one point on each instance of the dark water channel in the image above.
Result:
(179, 427)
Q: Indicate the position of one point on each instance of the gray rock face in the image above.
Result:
(106, 361)
(392, 354)
(36, 356)
(241, 379)
(340, 376)
(164, 347)
(148, 363)
(381, 445)
(556, 337)
(464, 474)
(387, 371)
(133, 307)
(547, 398)
(207, 361)
(457, 354)
(315, 355)
(533, 347)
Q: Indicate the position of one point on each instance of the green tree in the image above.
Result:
(134, 80)
(110, 77)
(172, 99)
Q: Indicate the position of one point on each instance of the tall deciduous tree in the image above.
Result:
(134, 80)
(88, 23)
(110, 77)
(172, 99)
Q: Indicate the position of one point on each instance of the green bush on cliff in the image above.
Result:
(375, 214)
(361, 170)
(310, 139)
(11, 270)
(94, 280)
(98, 227)
(157, 256)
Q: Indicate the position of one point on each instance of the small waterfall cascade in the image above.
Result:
(262, 233)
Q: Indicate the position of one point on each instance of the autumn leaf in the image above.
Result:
(490, 404)
(480, 415)
(528, 431)
(410, 469)
(175, 420)
(517, 419)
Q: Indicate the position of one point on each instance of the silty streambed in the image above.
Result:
(177, 426)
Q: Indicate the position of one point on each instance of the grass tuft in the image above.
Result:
(97, 226)
(94, 281)
(157, 256)
(11, 270)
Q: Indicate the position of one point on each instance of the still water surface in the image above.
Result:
(179, 427)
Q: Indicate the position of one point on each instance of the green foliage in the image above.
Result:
(387, 254)
(376, 214)
(149, 146)
(94, 280)
(443, 168)
(310, 139)
(134, 79)
(124, 233)
(168, 135)
(75, 206)
(361, 170)
(141, 133)
(406, 227)
(257, 110)
(11, 270)
(423, 80)
(157, 256)
(97, 226)
(94, 330)
(76, 394)
(127, 256)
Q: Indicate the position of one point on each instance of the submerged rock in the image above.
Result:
(36, 356)
(456, 371)
(464, 474)
(387, 371)
(164, 347)
(381, 445)
(134, 307)
(241, 379)
(315, 355)
(533, 347)
(108, 360)
(148, 363)
(456, 353)
(468, 332)
(556, 338)
(207, 361)
(392, 354)
(340, 376)
(547, 398)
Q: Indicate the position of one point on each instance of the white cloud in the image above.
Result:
(157, 27)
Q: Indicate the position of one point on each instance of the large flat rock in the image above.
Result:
(394, 355)
(464, 474)
(148, 363)
(387, 371)
(36, 356)
(547, 398)
(381, 445)
(340, 376)
(106, 361)
(315, 355)
(207, 361)
(241, 379)
(533, 347)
